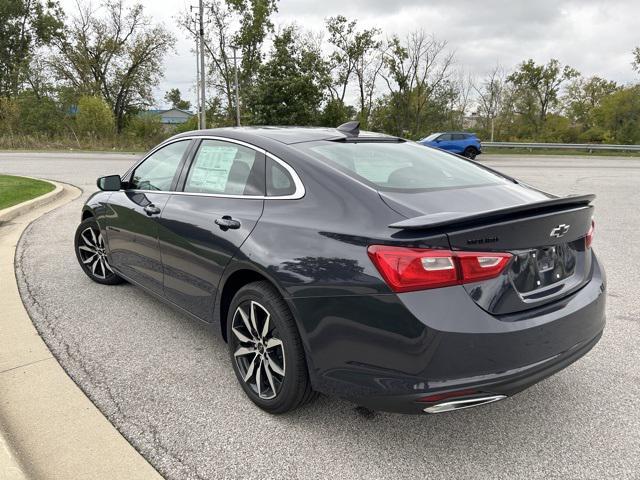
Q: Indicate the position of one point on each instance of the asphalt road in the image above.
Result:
(165, 381)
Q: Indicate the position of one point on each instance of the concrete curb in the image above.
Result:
(49, 429)
(8, 214)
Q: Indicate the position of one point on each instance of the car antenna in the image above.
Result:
(351, 129)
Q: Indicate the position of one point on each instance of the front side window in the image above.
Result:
(445, 137)
(401, 166)
(159, 169)
(226, 168)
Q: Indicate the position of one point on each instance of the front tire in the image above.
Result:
(266, 351)
(91, 253)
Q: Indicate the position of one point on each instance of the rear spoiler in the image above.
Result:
(464, 219)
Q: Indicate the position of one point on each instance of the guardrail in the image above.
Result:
(590, 147)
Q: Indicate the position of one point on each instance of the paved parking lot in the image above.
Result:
(165, 381)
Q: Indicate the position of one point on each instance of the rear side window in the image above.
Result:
(401, 166)
(279, 182)
(458, 136)
(226, 168)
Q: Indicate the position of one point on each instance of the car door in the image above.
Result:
(444, 142)
(202, 227)
(132, 221)
(458, 142)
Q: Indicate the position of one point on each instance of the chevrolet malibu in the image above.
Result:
(359, 265)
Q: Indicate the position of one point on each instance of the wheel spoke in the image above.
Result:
(254, 321)
(93, 267)
(93, 236)
(250, 370)
(275, 367)
(269, 377)
(273, 343)
(265, 327)
(104, 270)
(106, 264)
(259, 378)
(244, 351)
(87, 242)
(86, 249)
(240, 336)
(100, 240)
(245, 319)
(89, 259)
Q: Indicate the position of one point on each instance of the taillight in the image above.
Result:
(409, 269)
(589, 238)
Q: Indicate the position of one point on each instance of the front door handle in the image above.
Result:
(226, 222)
(151, 209)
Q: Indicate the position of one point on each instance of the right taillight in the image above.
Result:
(409, 269)
(589, 238)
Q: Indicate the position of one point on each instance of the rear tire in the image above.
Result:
(470, 152)
(266, 350)
(91, 254)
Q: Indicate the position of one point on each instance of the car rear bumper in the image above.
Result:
(387, 351)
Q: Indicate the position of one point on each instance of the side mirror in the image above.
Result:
(110, 183)
(438, 140)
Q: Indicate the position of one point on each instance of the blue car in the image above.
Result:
(466, 144)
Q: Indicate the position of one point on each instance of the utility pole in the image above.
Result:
(198, 104)
(235, 69)
(203, 103)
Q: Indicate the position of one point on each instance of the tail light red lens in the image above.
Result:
(589, 238)
(409, 269)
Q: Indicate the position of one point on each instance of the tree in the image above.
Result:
(94, 117)
(490, 96)
(287, 90)
(583, 96)
(114, 52)
(356, 53)
(636, 59)
(416, 73)
(241, 23)
(619, 116)
(25, 26)
(537, 88)
(174, 97)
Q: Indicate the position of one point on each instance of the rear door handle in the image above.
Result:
(151, 209)
(226, 222)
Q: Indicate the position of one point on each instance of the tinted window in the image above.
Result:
(159, 169)
(431, 137)
(401, 166)
(458, 136)
(279, 182)
(445, 137)
(226, 168)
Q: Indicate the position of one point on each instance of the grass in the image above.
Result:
(14, 190)
(557, 151)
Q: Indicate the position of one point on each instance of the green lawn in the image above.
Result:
(14, 190)
(557, 151)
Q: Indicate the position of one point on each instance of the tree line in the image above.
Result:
(87, 77)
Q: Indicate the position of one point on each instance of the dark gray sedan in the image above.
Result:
(359, 265)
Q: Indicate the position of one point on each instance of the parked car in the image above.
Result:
(359, 265)
(466, 144)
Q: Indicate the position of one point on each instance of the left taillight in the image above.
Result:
(409, 269)
(589, 238)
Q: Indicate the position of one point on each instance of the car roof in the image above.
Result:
(285, 135)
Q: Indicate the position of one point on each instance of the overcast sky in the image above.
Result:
(594, 36)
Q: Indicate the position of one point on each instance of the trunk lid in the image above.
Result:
(545, 235)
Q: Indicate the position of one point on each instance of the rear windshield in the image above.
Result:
(401, 166)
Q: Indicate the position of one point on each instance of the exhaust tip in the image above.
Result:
(462, 404)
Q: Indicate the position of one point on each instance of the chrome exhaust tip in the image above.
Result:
(462, 404)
